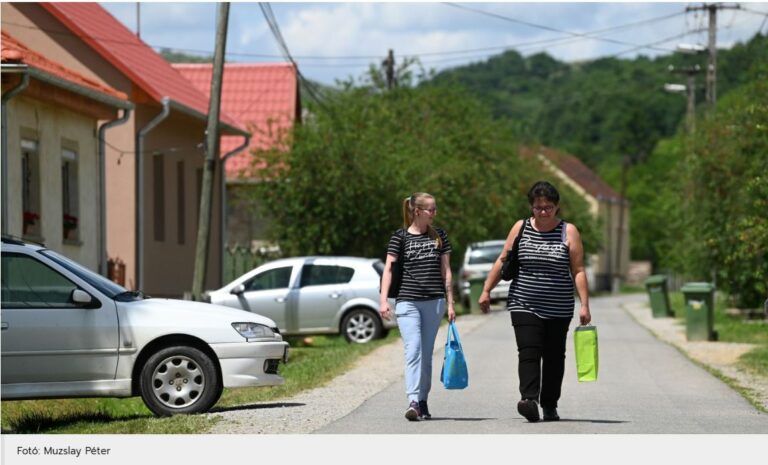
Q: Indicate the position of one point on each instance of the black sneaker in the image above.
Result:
(550, 414)
(529, 409)
(424, 411)
(413, 414)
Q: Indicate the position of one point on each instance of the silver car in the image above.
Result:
(313, 295)
(478, 261)
(69, 332)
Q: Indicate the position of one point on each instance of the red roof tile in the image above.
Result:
(261, 97)
(135, 59)
(16, 52)
(576, 170)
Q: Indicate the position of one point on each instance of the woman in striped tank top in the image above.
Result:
(540, 300)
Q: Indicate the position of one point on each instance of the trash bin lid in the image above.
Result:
(697, 287)
(656, 279)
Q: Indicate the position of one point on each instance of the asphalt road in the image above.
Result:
(644, 386)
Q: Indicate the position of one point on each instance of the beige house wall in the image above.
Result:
(54, 128)
(169, 265)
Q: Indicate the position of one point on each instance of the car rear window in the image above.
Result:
(482, 255)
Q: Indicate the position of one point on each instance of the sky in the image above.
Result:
(336, 41)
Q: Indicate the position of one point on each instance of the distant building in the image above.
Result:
(154, 160)
(264, 98)
(612, 259)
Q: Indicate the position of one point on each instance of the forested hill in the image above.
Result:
(600, 109)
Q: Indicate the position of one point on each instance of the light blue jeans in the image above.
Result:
(419, 322)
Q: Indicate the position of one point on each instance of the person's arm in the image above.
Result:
(386, 281)
(445, 267)
(494, 276)
(576, 250)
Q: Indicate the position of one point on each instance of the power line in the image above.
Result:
(546, 28)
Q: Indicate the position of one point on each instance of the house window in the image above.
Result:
(69, 195)
(180, 200)
(30, 188)
(158, 190)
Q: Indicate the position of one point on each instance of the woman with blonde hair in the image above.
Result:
(425, 292)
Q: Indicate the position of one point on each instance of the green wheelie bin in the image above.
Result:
(699, 311)
(475, 289)
(656, 285)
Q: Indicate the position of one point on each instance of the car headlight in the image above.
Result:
(253, 330)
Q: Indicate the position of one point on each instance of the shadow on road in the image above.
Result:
(257, 406)
(460, 419)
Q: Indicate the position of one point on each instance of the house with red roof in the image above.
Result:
(264, 98)
(612, 260)
(153, 159)
(52, 170)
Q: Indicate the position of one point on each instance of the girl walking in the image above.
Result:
(424, 294)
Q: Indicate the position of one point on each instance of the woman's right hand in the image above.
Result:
(485, 302)
(385, 311)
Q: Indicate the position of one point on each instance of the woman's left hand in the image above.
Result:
(584, 315)
(451, 312)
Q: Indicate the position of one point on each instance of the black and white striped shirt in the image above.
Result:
(544, 286)
(422, 277)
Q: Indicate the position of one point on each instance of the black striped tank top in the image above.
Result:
(544, 286)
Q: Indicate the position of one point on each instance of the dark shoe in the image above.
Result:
(424, 411)
(550, 414)
(413, 414)
(529, 409)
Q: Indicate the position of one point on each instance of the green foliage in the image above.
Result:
(340, 188)
(703, 199)
(172, 56)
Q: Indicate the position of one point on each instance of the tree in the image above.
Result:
(340, 188)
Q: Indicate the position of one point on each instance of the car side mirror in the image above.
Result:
(81, 297)
(239, 289)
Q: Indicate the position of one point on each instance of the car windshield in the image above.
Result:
(482, 255)
(101, 283)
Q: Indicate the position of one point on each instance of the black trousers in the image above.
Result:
(541, 356)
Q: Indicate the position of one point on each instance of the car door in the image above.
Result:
(323, 290)
(266, 293)
(46, 337)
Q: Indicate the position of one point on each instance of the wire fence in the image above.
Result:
(239, 259)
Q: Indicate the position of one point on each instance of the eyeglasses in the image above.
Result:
(432, 210)
(547, 209)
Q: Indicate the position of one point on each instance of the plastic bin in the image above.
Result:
(656, 285)
(699, 311)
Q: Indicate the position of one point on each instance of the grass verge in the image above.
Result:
(312, 363)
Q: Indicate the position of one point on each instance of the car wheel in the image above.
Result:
(179, 379)
(361, 326)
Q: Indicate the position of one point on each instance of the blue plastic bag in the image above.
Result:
(454, 374)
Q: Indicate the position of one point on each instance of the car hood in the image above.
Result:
(186, 308)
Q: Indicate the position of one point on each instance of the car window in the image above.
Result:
(29, 283)
(379, 267)
(482, 255)
(317, 275)
(276, 278)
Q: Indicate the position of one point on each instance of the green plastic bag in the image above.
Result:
(585, 342)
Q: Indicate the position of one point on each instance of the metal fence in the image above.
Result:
(239, 259)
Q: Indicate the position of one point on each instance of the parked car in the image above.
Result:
(69, 332)
(478, 261)
(313, 295)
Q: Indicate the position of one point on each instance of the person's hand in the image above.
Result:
(451, 312)
(584, 316)
(485, 302)
(385, 311)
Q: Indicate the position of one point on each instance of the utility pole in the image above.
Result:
(712, 47)
(138, 20)
(616, 284)
(389, 67)
(211, 153)
(690, 88)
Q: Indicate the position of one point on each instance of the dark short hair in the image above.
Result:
(543, 189)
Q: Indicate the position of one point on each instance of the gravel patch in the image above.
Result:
(720, 356)
(311, 410)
